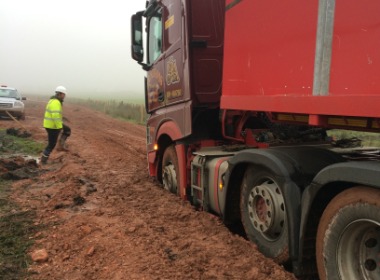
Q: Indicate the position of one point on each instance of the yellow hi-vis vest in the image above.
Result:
(53, 114)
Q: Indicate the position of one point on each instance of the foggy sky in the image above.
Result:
(83, 45)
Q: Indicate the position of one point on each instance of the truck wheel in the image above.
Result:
(263, 214)
(348, 237)
(170, 170)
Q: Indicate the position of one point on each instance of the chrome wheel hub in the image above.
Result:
(266, 209)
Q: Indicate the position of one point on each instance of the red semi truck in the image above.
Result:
(241, 97)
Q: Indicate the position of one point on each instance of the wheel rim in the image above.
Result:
(169, 178)
(358, 252)
(266, 210)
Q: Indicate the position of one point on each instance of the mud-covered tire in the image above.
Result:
(348, 237)
(170, 170)
(263, 215)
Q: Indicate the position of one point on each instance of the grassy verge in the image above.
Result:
(16, 228)
(134, 113)
(20, 145)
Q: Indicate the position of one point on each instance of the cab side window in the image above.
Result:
(155, 37)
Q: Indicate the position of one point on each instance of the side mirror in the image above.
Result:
(137, 48)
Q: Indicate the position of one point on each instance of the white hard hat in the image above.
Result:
(61, 89)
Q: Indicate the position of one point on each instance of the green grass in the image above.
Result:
(130, 112)
(14, 144)
(368, 139)
(16, 228)
(16, 225)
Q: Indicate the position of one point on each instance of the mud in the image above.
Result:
(101, 217)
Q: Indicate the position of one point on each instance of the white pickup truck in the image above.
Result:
(11, 103)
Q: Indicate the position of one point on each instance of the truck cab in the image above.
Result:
(183, 60)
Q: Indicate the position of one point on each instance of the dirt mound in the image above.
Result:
(18, 168)
(102, 217)
(15, 167)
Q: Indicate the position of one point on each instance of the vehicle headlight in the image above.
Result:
(18, 104)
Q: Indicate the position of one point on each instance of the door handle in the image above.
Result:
(161, 96)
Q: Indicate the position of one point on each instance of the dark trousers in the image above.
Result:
(53, 135)
(52, 140)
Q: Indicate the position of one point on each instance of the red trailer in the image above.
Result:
(241, 96)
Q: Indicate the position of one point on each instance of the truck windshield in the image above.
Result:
(155, 37)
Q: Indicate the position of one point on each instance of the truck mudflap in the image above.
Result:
(285, 171)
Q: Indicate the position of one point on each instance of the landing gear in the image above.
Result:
(348, 238)
(263, 214)
(170, 170)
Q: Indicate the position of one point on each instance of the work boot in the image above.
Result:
(44, 159)
(61, 143)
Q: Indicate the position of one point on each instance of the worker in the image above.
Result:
(53, 123)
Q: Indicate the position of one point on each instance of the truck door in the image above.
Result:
(155, 83)
(165, 55)
(174, 50)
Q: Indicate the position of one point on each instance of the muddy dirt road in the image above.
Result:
(102, 217)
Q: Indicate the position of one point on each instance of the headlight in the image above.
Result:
(18, 104)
